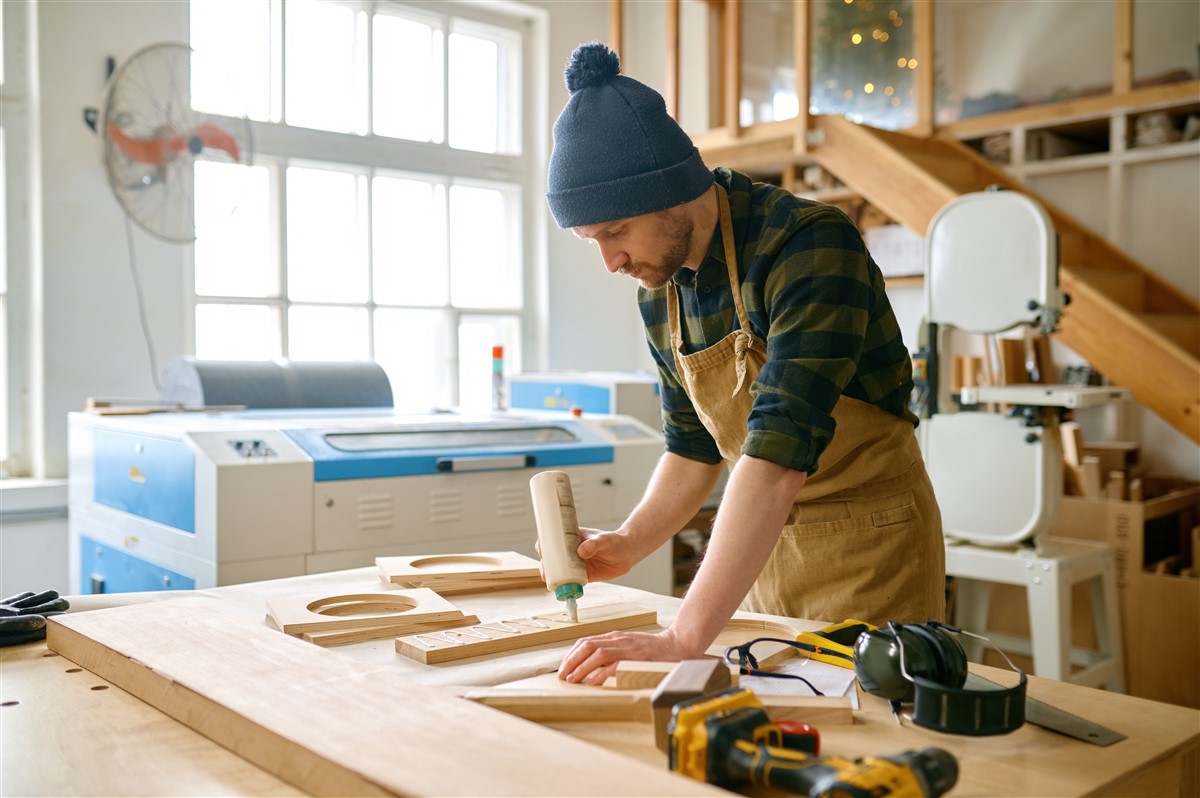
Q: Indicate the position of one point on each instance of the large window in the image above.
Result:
(382, 218)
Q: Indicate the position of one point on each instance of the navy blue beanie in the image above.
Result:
(617, 153)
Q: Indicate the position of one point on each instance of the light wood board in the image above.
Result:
(635, 675)
(342, 637)
(331, 725)
(557, 706)
(296, 614)
(460, 573)
(528, 632)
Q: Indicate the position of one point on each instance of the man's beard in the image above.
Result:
(677, 228)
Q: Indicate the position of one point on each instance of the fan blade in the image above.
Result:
(152, 151)
(217, 137)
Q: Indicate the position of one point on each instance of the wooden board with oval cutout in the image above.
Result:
(299, 614)
(462, 573)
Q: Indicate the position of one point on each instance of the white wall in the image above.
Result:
(93, 340)
(593, 315)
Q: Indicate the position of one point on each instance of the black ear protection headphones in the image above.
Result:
(925, 664)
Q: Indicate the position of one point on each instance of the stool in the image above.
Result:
(1048, 574)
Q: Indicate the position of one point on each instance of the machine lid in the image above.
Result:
(457, 438)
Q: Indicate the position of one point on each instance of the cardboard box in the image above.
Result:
(1160, 612)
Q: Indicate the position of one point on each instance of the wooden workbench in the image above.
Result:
(71, 733)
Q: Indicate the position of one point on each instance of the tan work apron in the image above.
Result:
(864, 538)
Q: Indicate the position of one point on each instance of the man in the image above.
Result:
(778, 355)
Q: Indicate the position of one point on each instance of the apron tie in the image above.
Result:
(741, 343)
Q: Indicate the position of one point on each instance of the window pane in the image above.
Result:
(476, 337)
(407, 79)
(413, 347)
(235, 252)
(237, 332)
(325, 333)
(225, 50)
(484, 80)
(483, 262)
(324, 74)
(409, 234)
(326, 251)
(768, 61)
(863, 61)
(997, 56)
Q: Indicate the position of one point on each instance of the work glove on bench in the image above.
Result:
(23, 616)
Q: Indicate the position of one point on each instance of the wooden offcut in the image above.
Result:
(516, 633)
(331, 725)
(297, 614)
(462, 573)
(635, 674)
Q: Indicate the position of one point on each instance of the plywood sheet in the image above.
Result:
(517, 633)
(331, 725)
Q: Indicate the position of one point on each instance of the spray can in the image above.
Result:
(558, 537)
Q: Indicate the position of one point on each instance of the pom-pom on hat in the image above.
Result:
(617, 153)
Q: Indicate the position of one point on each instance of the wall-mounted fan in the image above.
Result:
(151, 139)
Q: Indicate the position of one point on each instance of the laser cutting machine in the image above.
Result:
(195, 500)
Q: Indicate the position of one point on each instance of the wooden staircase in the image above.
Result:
(1136, 329)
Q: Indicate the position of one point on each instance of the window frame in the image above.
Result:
(278, 145)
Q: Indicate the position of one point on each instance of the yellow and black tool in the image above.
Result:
(835, 644)
(727, 739)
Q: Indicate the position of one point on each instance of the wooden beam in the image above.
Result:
(802, 55)
(331, 725)
(616, 24)
(926, 74)
(733, 66)
(1123, 47)
(671, 83)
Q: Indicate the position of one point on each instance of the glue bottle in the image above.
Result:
(558, 537)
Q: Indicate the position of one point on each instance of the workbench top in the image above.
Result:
(70, 732)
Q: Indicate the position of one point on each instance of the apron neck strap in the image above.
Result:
(731, 266)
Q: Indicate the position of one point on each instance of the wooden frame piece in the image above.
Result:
(462, 573)
(296, 614)
(638, 675)
(341, 637)
(566, 706)
(516, 633)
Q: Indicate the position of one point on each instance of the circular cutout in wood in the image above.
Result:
(452, 560)
(362, 604)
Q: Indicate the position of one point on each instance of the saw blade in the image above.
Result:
(1042, 714)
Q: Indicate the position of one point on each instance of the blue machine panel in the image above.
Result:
(103, 569)
(147, 476)
(534, 395)
(398, 452)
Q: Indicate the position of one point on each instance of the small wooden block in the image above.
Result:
(1135, 489)
(1072, 443)
(560, 706)
(1115, 487)
(531, 631)
(294, 614)
(688, 679)
(476, 570)
(1092, 487)
(814, 710)
(343, 637)
(636, 675)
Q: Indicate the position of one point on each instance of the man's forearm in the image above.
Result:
(677, 491)
(755, 506)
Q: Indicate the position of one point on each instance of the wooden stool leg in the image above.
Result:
(1050, 624)
(1105, 616)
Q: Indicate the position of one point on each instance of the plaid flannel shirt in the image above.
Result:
(814, 294)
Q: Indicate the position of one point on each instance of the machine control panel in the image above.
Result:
(252, 447)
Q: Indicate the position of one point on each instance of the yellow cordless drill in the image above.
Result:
(727, 739)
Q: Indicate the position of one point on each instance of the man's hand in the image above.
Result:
(594, 659)
(23, 616)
